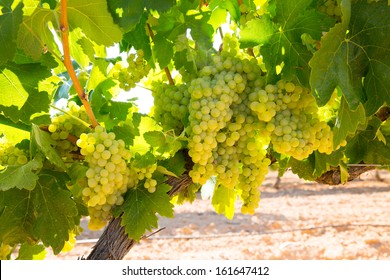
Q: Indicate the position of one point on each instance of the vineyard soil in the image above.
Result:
(299, 220)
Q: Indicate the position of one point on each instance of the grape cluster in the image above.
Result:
(290, 114)
(11, 155)
(107, 175)
(130, 74)
(171, 105)
(145, 173)
(65, 128)
(234, 117)
(225, 136)
(331, 8)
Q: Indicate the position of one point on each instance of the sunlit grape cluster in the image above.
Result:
(66, 127)
(290, 114)
(130, 73)
(11, 155)
(235, 117)
(171, 105)
(107, 175)
(225, 137)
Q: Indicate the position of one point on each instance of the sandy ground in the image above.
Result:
(299, 220)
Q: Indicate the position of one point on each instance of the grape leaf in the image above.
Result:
(31, 252)
(12, 90)
(16, 216)
(355, 56)
(347, 122)
(163, 49)
(230, 5)
(126, 13)
(138, 38)
(357, 147)
(160, 6)
(284, 50)
(9, 26)
(303, 168)
(175, 164)
(223, 201)
(256, 32)
(56, 216)
(95, 20)
(154, 138)
(19, 97)
(323, 162)
(140, 208)
(20, 176)
(42, 141)
(34, 33)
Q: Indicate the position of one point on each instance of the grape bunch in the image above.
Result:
(5, 251)
(130, 74)
(66, 128)
(225, 136)
(171, 105)
(107, 175)
(11, 155)
(331, 8)
(138, 174)
(291, 116)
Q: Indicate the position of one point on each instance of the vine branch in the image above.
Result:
(64, 28)
(166, 69)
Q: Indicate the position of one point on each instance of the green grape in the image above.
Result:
(130, 74)
(11, 155)
(144, 174)
(170, 105)
(107, 175)
(65, 127)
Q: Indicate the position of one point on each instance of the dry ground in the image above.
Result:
(300, 220)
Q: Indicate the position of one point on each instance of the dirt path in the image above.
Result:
(299, 220)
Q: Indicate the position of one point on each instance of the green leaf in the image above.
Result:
(95, 20)
(223, 201)
(34, 31)
(55, 212)
(303, 168)
(126, 13)
(256, 32)
(141, 161)
(12, 91)
(355, 56)
(284, 52)
(357, 147)
(16, 216)
(175, 164)
(31, 252)
(230, 5)
(138, 38)
(323, 162)
(19, 97)
(163, 50)
(9, 26)
(160, 6)
(42, 141)
(155, 138)
(20, 176)
(140, 208)
(347, 122)
(165, 171)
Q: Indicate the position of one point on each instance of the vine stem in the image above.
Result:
(166, 69)
(64, 28)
